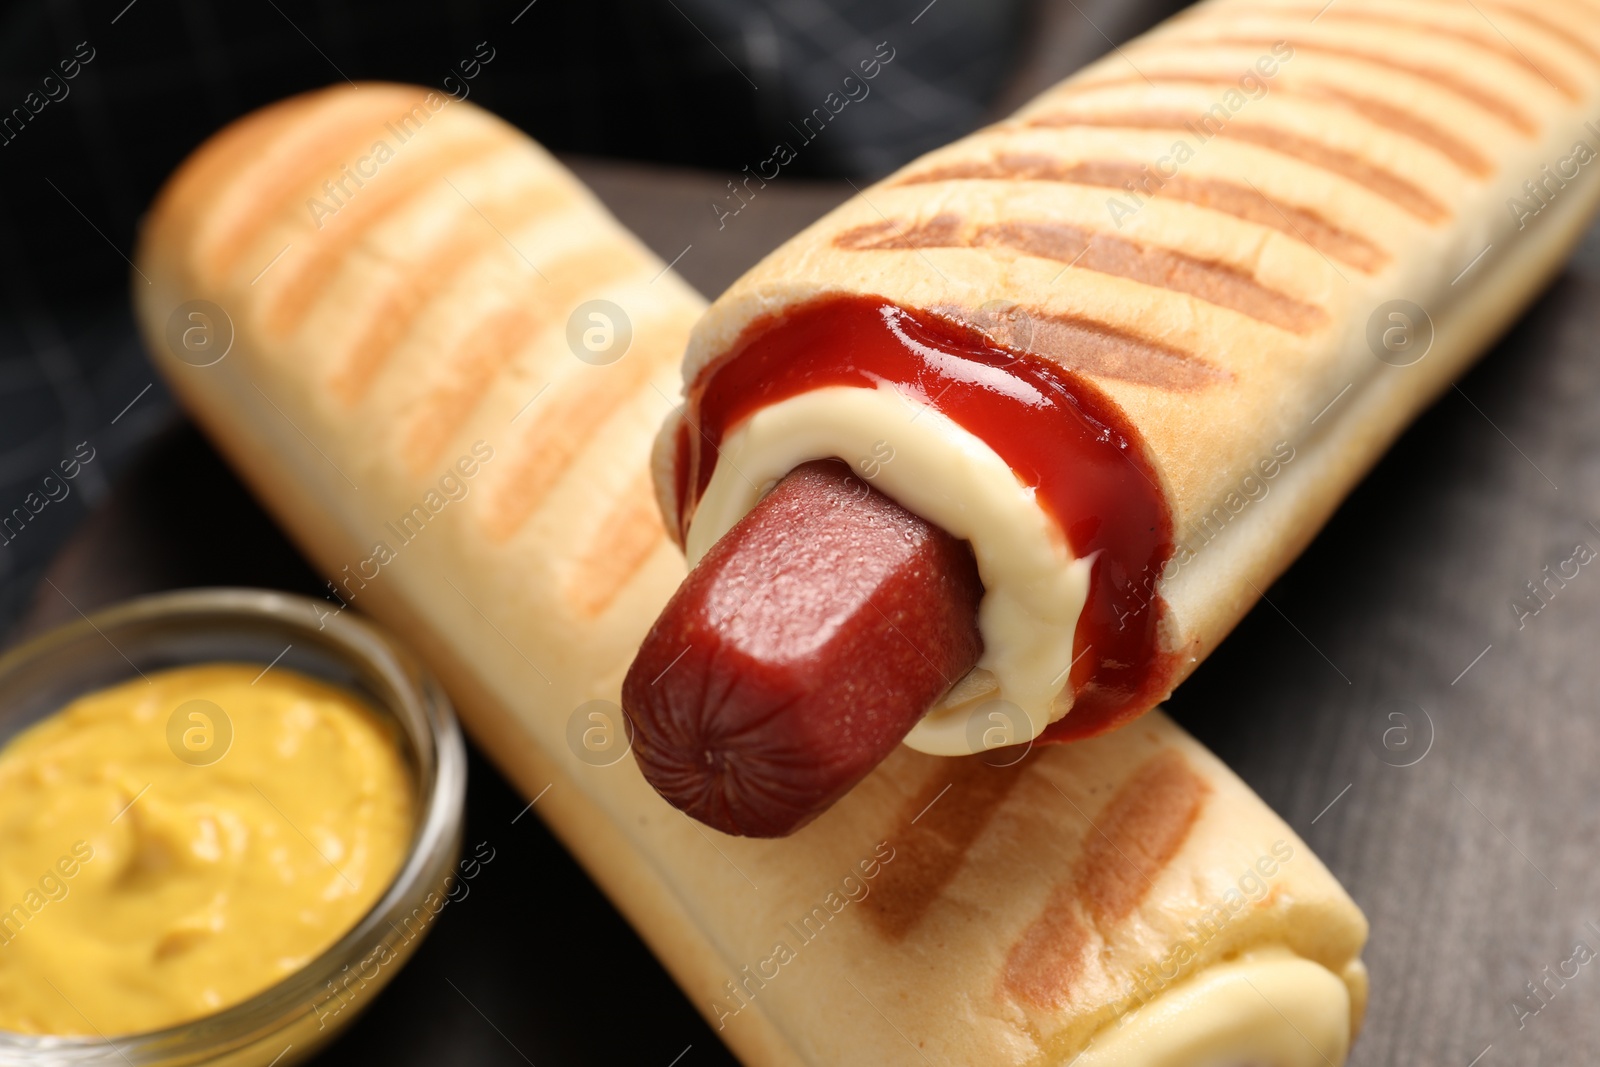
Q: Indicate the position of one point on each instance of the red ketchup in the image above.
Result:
(1061, 436)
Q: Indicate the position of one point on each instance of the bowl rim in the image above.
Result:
(432, 852)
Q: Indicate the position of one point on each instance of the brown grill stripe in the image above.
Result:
(565, 420)
(1137, 835)
(488, 347)
(1378, 112)
(430, 273)
(325, 139)
(1240, 201)
(1215, 283)
(1410, 198)
(1391, 16)
(382, 196)
(628, 536)
(217, 165)
(936, 829)
(1561, 33)
(477, 359)
(1404, 122)
(1445, 79)
(1044, 964)
(1127, 846)
(1088, 347)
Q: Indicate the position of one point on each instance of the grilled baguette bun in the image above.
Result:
(1129, 895)
(1207, 225)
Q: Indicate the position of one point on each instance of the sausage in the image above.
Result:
(799, 652)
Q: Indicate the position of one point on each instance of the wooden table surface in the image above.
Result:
(1437, 747)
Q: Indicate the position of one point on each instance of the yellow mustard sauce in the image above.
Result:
(171, 846)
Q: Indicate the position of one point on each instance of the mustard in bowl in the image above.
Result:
(242, 810)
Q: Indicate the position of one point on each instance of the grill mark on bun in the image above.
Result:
(486, 348)
(472, 366)
(1229, 198)
(1215, 283)
(1448, 80)
(1395, 15)
(1137, 835)
(564, 426)
(430, 273)
(1563, 34)
(311, 148)
(1406, 123)
(395, 188)
(1126, 847)
(626, 538)
(1404, 194)
(932, 838)
(1086, 346)
(564, 422)
(211, 175)
(1044, 965)
(944, 230)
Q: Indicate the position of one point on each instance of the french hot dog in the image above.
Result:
(1136, 342)
(1127, 901)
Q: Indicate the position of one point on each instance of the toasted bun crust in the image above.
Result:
(1233, 198)
(1010, 913)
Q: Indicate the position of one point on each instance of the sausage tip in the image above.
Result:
(799, 652)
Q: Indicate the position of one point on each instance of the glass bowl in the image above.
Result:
(288, 1021)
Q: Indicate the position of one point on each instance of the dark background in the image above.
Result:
(1476, 865)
